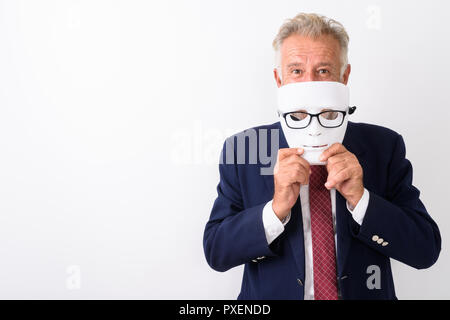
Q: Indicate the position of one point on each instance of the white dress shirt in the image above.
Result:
(274, 227)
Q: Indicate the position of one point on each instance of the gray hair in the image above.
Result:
(312, 25)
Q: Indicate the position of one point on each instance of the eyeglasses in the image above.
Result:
(327, 118)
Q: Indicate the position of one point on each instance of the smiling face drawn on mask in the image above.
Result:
(313, 116)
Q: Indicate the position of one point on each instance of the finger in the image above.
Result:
(280, 166)
(335, 169)
(299, 176)
(286, 152)
(295, 159)
(338, 158)
(291, 170)
(339, 177)
(294, 169)
(282, 154)
(336, 148)
(292, 177)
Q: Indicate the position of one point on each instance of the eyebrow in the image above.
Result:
(320, 64)
(294, 64)
(324, 64)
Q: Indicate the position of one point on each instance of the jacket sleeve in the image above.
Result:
(398, 225)
(234, 235)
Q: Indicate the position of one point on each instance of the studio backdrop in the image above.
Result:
(113, 115)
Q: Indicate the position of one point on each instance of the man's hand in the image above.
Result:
(344, 173)
(290, 171)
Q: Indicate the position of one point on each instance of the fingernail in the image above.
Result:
(300, 150)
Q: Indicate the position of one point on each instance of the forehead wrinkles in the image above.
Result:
(297, 47)
(307, 55)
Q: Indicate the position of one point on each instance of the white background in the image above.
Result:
(113, 113)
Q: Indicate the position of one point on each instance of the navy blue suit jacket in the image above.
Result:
(234, 234)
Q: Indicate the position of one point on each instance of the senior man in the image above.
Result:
(327, 222)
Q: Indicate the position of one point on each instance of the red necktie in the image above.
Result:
(324, 252)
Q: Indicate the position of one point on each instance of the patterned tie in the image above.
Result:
(324, 254)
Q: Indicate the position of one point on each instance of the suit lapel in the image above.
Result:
(294, 229)
(342, 233)
(344, 240)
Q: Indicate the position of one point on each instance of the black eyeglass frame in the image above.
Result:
(351, 110)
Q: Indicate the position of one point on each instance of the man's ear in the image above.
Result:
(346, 74)
(277, 77)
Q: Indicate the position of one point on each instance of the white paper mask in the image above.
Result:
(313, 97)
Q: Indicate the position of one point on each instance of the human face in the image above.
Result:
(308, 59)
